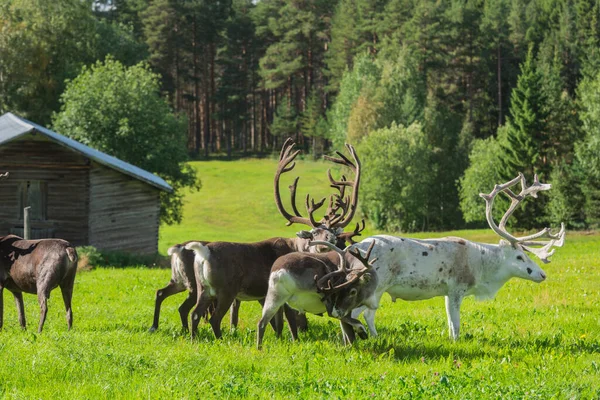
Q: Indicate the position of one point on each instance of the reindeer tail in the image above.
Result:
(72, 254)
(199, 249)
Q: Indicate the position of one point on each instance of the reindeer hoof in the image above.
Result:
(362, 333)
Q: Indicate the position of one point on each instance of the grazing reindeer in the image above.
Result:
(37, 267)
(412, 269)
(304, 280)
(227, 271)
(182, 278)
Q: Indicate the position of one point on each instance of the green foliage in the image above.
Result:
(90, 257)
(364, 74)
(480, 177)
(120, 111)
(313, 123)
(285, 121)
(567, 198)
(588, 148)
(363, 116)
(42, 43)
(523, 149)
(396, 178)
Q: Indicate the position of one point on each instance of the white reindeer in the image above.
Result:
(412, 269)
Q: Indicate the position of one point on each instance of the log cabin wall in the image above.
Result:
(52, 179)
(124, 212)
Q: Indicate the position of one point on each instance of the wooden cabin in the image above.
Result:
(75, 192)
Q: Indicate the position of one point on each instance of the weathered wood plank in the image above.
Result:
(124, 212)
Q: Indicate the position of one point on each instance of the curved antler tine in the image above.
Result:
(348, 282)
(288, 145)
(312, 207)
(543, 253)
(351, 205)
(369, 250)
(293, 187)
(333, 247)
(526, 241)
(286, 157)
(364, 260)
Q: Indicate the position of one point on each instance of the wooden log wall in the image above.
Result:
(124, 212)
(65, 173)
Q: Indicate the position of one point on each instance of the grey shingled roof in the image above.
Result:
(12, 127)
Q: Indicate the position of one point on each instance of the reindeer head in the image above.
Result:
(513, 248)
(351, 284)
(341, 207)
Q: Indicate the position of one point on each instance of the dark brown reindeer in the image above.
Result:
(182, 279)
(37, 267)
(227, 271)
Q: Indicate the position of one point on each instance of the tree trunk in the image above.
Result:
(499, 85)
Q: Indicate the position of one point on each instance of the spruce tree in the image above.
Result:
(526, 130)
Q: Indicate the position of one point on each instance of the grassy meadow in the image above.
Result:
(531, 341)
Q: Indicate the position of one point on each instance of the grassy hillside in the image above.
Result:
(236, 201)
(532, 341)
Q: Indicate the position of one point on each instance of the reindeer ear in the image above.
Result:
(504, 243)
(338, 231)
(304, 234)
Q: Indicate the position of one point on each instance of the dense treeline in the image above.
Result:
(445, 98)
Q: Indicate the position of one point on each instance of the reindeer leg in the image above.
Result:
(301, 321)
(43, 294)
(184, 310)
(291, 315)
(161, 294)
(369, 316)
(223, 303)
(453, 302)
(234, 314)
(273, 302)
(67, 294)
(276, 322)
(348, 335)
(1, 306)
(201, 306)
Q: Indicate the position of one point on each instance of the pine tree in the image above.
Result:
(524, 141)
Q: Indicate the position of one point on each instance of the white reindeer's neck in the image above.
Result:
(494, 271)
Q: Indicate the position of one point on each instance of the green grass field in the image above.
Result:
(532, 341)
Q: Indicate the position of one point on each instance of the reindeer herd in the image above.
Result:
(313, 272)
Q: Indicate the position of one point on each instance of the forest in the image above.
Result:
(443, 99)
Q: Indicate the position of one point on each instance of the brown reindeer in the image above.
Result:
(306, 281)
(227, 271)
(37, 267)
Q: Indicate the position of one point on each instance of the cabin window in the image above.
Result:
(34, 194)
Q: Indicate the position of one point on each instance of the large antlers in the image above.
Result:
(337, 202)
(546, 250)
(286, 157)
(324, 284)
(349, 204)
